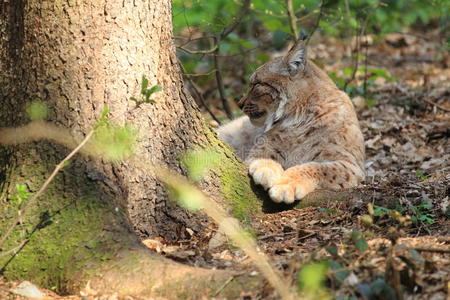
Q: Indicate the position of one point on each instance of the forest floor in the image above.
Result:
(400, 243)
(405, 118)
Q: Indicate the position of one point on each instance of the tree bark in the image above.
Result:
(78, 57)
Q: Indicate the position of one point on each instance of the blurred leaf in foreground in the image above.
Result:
(198, 162)
(37, 110)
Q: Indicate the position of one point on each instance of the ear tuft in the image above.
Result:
(296, 57)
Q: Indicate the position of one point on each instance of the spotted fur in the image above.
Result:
(300, 131)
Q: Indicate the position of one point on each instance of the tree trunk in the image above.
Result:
(78, 57)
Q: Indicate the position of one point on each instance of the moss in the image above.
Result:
(235, 182)
(48, 257)
(62, 229)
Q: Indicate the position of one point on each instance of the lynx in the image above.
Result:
(299, 132)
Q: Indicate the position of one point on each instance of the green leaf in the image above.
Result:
(379, 211)
(115, 143)
(361, 244)
(332, 249)
(144, 84)
(155, 88)
(383, 290)
(312, 276)
(199, 162)
(339, 273)
(186, 196)
(103, 120)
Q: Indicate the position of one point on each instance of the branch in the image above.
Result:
(317, 22)
(209, 51)
(425, 249)
(199, 94)
(292, 18)
(226, 105)
(242, 12)
(437, 105)
(357, 46)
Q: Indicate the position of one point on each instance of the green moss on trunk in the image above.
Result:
(235, 183)
(64, 229)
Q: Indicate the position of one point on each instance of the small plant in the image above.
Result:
(114, 142)
(146, 92)
(415, 214)
(199, 162)
(422, 175)
(21, 195)
(421, 214)
(359, 241)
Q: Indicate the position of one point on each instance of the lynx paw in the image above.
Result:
(265, 172)
(286, 192)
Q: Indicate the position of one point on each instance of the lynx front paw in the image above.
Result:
(265, 172)
(286, 192)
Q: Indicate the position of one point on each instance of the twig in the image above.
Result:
(424, 249)
(242, 12)
(209, 51)
(215, 51)
(223, 286)
(437, 105)
(292, 18)
(44, 186)
(225, 32)
(317, 22)
(366, 58)
(276, 235)
(307, 236)
(199, 74)
(355, 52)
(226, 105)
(13, 250)
(355, 61)
(199, 94)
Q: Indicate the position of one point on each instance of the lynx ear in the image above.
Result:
(296, 57)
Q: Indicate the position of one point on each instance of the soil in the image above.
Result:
(393, 235)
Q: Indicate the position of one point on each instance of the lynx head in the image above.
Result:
(267, 97)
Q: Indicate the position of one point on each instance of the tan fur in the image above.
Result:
(301, 132)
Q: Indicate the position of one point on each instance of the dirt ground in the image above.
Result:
(400, 243)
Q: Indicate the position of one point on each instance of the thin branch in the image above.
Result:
(209, 51)
(316, 25)
(14, 250)
(366, 59)
(215, 51)
(424, 249)
(357, 46)
(199, 94)
(435, 104)
(199, 74)
(226, 105)
(242, 12)
(292, 18)
(225, 32)
(44, 186)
